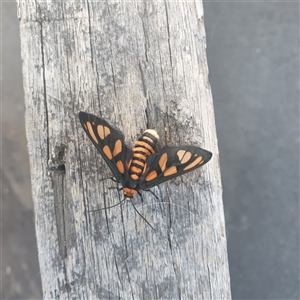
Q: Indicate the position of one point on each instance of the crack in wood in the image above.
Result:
(59, 202)
(57, 170)
(44, 86)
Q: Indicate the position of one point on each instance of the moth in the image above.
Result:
(141, 167)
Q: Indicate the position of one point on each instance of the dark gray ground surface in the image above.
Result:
(20, 278)
(253, 54)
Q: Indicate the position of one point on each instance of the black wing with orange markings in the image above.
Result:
(171, 162)
(109, 142)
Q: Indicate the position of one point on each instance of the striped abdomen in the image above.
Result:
(144, 147)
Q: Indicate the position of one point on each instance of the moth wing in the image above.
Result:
(109, 142)
(171, 162)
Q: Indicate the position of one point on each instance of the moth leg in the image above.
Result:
(140, 194)
(104, 208)
(152, 193)
(113, 187)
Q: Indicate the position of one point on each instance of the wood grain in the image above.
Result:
(138, 64)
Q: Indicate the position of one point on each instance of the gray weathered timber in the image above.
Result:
(137, 64)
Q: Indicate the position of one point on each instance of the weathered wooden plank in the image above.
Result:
(137, 64)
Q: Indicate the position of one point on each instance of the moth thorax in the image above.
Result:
(153, 133)
(129, 193)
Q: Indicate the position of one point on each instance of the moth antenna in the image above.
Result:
(142, 216)
(109, 206)
(169, 203)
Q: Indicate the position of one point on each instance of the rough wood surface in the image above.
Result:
(137, 64)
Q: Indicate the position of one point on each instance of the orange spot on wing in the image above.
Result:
(180, 154)
(91, 132)
(163, 161)
(120, 167)
(151, 176)
(106, 131)
(184, 156)
(103, 131)
(100, 131)
(117, 148)
(194, 163)
(107, 152)
(170, 171)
